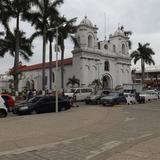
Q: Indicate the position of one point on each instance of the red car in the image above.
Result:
(9, 101)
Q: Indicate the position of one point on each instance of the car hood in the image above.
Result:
(68, 94)
(2, 106)
(94, 96)
(23, 104)
(108, 97)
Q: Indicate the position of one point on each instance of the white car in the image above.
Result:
(154, 91)
(130, 98)
(3, 108)
(149, 96)
(81, 93)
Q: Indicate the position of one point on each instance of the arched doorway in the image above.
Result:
(107, 81)
(28, 85)
(32, 85)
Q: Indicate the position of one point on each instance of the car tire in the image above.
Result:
(33, 112)
(86, 102)
(3, 113)
(98, 102)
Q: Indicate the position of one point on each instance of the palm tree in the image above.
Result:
(46, 11)
(97, 84)
(64, 33)
(50, 36)
(73, 81)
(8, 46)
(14, 9)
(143, 53)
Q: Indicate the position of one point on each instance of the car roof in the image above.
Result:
(4, 94)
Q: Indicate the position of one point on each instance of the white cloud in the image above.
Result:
(142, 17)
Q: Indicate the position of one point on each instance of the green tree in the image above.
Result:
(65, 32)
(50, 36)
(97, 84)
(14, 9)
(73, 81)
(46, 11)
(143, 53)
(8, 45)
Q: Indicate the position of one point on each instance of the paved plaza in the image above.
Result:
(128, 132)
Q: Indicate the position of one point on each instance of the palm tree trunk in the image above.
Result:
(62, 67)
(16, 60)
(43, 59)
(143, 71)
(50, 65)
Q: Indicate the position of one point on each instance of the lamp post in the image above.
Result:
(56, 72)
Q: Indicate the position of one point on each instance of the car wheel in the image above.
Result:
(3, 113)
(62, 109)
(98, 102)
(33, 112)
(86, 102)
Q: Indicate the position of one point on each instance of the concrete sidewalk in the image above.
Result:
(27, 131)
(84, 133)
(147, 150)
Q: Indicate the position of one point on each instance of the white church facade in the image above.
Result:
(108, 60)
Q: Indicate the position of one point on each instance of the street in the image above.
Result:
(88, 132)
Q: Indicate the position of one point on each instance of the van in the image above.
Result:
(81, 93)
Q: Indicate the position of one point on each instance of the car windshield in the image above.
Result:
(113, 94)
(33, 100)
(71, 91)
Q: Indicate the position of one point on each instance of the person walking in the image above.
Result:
(75, 101)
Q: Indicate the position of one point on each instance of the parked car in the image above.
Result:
(149, 96)
(113, 98)
(42, 104)
(130, 97)
(9, 101)
(81, 93)
(3, 108)
(153, 91)
(95, 97)
(139, 99)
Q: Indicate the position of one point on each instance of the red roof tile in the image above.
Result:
(67, 61)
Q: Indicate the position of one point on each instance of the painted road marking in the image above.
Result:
(106, 147)
(129, 119)
(139, 137)
(38, 147)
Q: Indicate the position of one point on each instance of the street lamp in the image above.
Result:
(56, 73)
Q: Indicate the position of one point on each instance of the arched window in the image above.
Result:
(123, 49)
(87, 67)
(95, 68)
(106, 66)
(114, 48)
(106, 47)
(90, 41)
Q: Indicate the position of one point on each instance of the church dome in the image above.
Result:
(118, 32)
(86, 22)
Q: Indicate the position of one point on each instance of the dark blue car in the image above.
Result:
(42, 104)
(113, 98)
